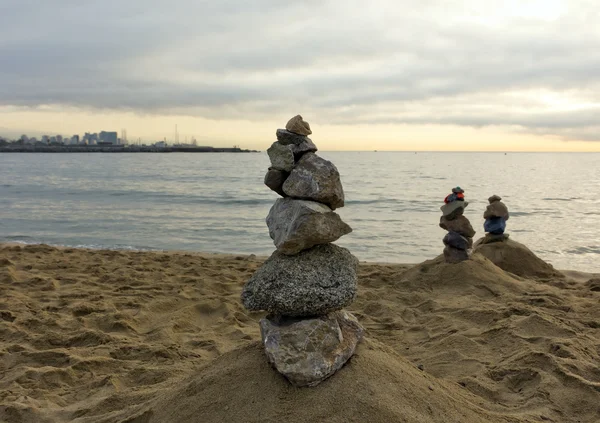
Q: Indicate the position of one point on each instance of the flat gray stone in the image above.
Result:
(454, 209)
(281, 156)
(316, 179)
(308, 351)
(316, 281)
(296, 225)
(274, 179)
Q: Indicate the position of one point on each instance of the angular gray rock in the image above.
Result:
(459, 224)
(298, 125)
(454, 209)
(316, 179)
(296, 225)
(314, 282)
(282, 157)
(308, 351)
(285, 137)
(299, 144)
(275, 178)
(454, 255)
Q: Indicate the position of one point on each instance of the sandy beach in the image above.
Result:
(144, 337)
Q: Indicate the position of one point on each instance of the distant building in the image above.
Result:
(160, 144)
(46, 139)
(108, 138)
(75, 140)
(90, 138)
(59, 139)
(24, 139)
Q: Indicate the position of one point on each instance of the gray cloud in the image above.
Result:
(344, 61)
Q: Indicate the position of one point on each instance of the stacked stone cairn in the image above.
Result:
(307, 281)
(459, 240)
(495, 215)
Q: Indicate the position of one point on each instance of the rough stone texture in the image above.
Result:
(454, 255)
(496, 209)
(460, 225)
(298, 125)
(282, 157)
(456, 240)
(316, 179)
(516, 258)
(296, 225)
(275, 178)
(299, 144)
(454, 209)
(313, 282)
(308, 351)
(285, 137)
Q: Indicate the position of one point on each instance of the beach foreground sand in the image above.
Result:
(145, 337)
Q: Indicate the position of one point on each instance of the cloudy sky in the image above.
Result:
(396, 75)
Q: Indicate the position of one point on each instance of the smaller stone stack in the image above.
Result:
(459, 240)
(307, 281)
(495, 215)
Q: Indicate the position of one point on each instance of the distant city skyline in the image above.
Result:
(517, 75)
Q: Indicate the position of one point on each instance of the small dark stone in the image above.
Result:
(456, 240)
(275, 178)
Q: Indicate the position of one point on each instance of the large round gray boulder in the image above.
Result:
(307, 351)
(316, 179)
(296, 225)
(314, 282)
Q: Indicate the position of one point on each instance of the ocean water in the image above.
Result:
(218, 203)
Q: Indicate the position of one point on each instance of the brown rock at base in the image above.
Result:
(309, 350)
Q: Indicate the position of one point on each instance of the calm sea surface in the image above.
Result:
(218, 203)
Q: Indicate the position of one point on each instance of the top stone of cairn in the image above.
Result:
(297, 125)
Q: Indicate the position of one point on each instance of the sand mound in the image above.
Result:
(376, 386)
(101, 336)
(516, 258)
